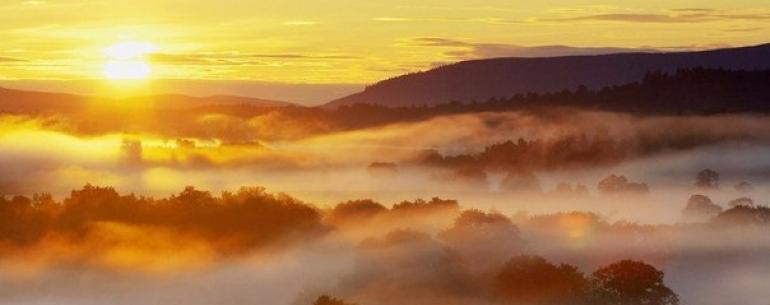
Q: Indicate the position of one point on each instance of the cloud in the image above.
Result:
(743, 30)
(239, 58)
(640, 18)
(11, 59)
(676, 15)
(300, 23)
(463, 50)
(485, 20)
(693, 10)
(693, 15)
(35, 2)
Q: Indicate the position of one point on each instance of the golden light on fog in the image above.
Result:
(126, 61)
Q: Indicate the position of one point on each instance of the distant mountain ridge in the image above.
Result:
(22, 101)
(503, 77)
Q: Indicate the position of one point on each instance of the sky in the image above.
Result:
(339, 44)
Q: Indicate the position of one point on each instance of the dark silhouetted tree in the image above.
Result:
(744, 186)
(742, 215)
(327, 300)
(614, 184)
(566, 189)
(407, 267)
(355, 210)
(419, 205)
(699, 208)
(382, 169)
(630, 283)
(489, 235)
(469, 176)
(707, 179)
(520, 181)
(743, 201)
(533, 280)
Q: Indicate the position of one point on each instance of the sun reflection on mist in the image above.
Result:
(577, 227)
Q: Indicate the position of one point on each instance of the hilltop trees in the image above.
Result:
(523, 157)
(685, 91)
(233, 222)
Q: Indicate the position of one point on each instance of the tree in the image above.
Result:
(533, 280)
(744, 186)
(620, 184)
(327, 300)
(630, 283)
(489, 235)
(612, 184)
(700, 207)
(566, 189)
(743, 201)
(520, 181)
(355, 210)
(382, 169)
(743, 215)
(707, 179)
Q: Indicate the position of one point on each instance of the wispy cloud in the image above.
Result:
(743, 30)
(463, 50)
(691, 15)
(485, 20)
(300, 23)
(11, 59)
(239, 58)
(35, 2)
(693, 10)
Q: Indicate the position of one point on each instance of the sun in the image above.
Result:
(126, 61)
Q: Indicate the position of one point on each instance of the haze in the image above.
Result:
(384, 153)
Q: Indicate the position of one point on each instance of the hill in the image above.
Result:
(504, 77)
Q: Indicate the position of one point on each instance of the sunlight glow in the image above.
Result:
(126, 70)
(129, 50)
(126, 61)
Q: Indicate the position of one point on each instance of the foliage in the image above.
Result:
(327, 300)
(533, 280)
(630, 283)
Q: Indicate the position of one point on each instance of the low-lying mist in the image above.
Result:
(575, 196)
(252, 246)
(480, 159)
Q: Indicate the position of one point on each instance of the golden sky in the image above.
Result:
(347, 41)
